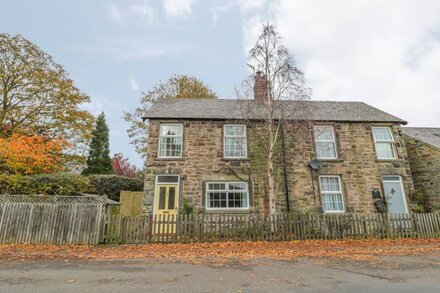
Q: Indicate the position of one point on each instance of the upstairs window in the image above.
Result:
(331, 194)
(170, 141)
(384, 142)
(227, 195)
(325, 142)
(234, 142)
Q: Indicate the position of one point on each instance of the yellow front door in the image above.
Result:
(166, 208)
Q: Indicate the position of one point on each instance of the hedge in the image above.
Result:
(49, 184)
(111, 185)
(68, 184)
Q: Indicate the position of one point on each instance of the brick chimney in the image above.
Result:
(260, 87)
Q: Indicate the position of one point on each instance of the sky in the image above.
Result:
(384, 53)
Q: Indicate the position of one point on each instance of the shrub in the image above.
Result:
(60, 184)
(15, 184)
(48, 184)
(111, 185)
(69, 184)
(187, 208)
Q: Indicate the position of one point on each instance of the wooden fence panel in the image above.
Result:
(50, 223)
(208, 228)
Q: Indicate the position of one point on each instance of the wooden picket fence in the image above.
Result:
(81, 220)
(50, 220)
(207, 228)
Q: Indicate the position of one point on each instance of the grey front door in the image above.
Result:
(394, 194)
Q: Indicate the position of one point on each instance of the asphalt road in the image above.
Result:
(395, 274)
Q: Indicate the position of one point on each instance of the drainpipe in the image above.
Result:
(286, 184)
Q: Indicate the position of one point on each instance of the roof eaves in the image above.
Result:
(399, 121)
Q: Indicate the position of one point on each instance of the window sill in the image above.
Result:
(330, 160)
(236, 159)
(389, 160)
(169, 159)
(227, 211)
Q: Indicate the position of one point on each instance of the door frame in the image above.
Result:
(401, 186)
(167, 183)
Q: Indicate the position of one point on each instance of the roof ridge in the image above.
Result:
(233, 99)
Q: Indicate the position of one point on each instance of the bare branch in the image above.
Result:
(278, 88)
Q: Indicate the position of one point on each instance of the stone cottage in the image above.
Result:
(423, 147)
(348, 156)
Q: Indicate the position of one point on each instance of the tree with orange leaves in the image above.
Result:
(37, 95)
(20, 154)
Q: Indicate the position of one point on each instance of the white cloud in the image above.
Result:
(139, 9)
(138, 48)
(221, 7)
(143, 10)
(97, 105)
(250, 5)
(246, 7)
(177, 9)
(386, 53)
(133, 83)
(114, 12)
(251, 30)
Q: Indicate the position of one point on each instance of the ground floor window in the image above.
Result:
(227, 195)
(331, 194)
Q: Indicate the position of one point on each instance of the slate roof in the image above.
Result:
(429, 135)
(228, 109)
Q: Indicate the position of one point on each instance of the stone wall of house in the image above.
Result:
(203, 161)
(425, 167)
(357, 165)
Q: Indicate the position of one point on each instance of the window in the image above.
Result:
(170, 141)
(234, 143)
(227, 195)
(167, 178)
(325, 142)
(384, 142)
(331, 194)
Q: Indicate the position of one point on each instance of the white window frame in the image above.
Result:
(341, 192)
(392, 142)
(333, 141)
(207, 191)
(176, 136)
(235, 136)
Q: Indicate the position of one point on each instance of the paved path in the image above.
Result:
(394, 274)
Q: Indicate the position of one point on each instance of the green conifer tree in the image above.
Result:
(98, 160)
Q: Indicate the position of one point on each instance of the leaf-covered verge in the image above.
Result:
(223, 252)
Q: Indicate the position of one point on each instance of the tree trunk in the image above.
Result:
(270, 201)
(271, 186)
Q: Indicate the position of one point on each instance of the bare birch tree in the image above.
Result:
(276, 80)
